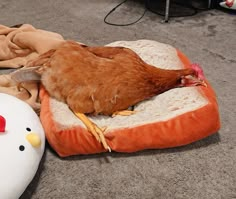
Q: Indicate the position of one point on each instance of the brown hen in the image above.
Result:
(104, 80)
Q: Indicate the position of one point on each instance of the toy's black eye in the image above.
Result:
(21, 148)
(28, 129)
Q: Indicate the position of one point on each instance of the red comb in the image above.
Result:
(2, 124)
(198, 70)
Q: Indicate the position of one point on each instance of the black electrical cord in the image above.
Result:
(149, 7)
(128, 24)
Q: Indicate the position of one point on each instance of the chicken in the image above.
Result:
(104, 80)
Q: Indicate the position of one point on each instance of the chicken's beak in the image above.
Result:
(202, 83)
(198, 82)
(192, 81)
(34, 139)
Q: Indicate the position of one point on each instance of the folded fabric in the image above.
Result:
(19, 45)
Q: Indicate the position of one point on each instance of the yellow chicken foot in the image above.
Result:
(94, 129)
(124, 113)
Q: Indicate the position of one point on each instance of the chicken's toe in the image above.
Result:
(100, 133)
(97, 132)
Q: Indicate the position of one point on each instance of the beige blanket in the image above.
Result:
(18, 45)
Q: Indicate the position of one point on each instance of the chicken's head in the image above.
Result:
(197, 79)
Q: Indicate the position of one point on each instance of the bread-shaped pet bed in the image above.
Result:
(177, 117)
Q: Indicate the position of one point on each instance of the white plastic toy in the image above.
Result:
(22, 142)
(230, 4)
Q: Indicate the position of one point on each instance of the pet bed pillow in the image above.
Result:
(177, 117)
(22, 141)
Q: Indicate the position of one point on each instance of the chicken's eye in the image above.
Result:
(28, 129)
(21, 148)
(179, 81)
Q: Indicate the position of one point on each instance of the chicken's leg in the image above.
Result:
(124, 113)
(94, 129)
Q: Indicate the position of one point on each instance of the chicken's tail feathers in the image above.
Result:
(26, 74)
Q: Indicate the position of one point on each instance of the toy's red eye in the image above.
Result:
(2, 124)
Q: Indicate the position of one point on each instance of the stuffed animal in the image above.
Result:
(229, 4)
(22, 142)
